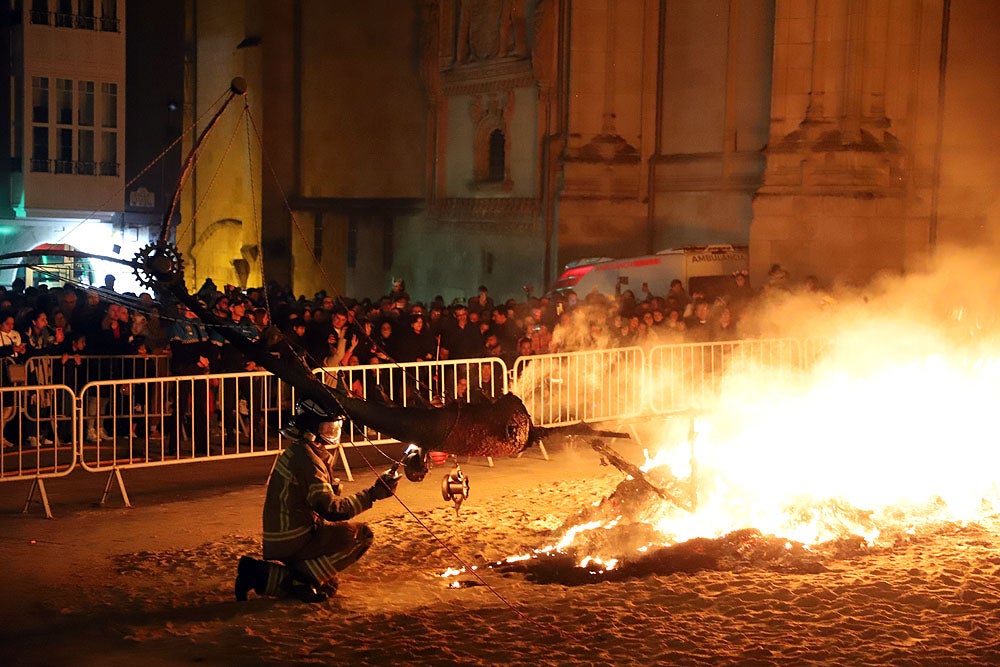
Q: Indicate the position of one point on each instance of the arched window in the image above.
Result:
(498, 157)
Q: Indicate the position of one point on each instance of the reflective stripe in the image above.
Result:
(286, 535)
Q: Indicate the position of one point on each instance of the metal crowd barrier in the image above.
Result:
(114, 424)
(179, 419)
(588, 386)
(687, 376)
(39, 436)
(414, 384)
(94, 367)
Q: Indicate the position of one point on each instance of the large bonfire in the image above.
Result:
(882, 428)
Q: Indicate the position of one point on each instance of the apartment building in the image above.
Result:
(66, 117)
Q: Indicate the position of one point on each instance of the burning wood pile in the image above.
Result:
(624, 522)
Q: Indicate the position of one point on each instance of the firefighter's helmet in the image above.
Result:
(311, 421)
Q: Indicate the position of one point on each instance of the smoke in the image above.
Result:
(957, 298)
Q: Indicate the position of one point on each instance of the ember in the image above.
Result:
(746, 548)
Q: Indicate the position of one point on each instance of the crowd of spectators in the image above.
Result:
(330, 331)
(69, 323)
(334, 332)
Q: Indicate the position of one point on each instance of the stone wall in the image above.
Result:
(880, 145)
(491, 141)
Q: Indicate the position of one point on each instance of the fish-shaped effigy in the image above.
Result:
(500, 428)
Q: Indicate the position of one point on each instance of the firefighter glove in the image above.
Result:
(383, 486)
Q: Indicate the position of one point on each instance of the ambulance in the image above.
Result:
(56, 269)
(707, 268)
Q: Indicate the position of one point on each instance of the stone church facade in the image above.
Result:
(459, 142)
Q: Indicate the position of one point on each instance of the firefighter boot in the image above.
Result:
(330, 586)
(304, 591)
(250, 574)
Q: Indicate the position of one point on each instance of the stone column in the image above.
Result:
(282, 138)
(835, 200)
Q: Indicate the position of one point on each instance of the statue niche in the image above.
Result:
(489, 29)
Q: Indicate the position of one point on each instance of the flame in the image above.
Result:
(889, 431)
(905, 443)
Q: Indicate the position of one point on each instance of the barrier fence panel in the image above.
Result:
(814, 349)
(588, 386)
(39, 432)
(77, 370)
(687, 376)
(416, 384)
(369, 382)
(157, 421)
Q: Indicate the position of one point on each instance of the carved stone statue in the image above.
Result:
(490, 29)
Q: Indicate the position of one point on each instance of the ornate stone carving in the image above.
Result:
(822, 158)
(505, 215)
(490, 29)
(843, 145)
(487, 77)
(605, 147)
(488, 51)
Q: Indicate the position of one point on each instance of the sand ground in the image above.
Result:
(152, 585)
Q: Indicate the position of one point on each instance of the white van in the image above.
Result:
(706, 268)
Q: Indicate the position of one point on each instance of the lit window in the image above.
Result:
(16, 122)
(85, 150)
(40, 149)
(64, 151)
(85, 15)
(40, 12)
(109, 15)
(109, 153)
(64, 14)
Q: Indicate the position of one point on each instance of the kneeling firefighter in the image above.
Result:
(307, 535)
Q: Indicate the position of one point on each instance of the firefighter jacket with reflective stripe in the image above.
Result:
(300, 495)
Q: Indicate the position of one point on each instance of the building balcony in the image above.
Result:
(64, 20)
(79, 167)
